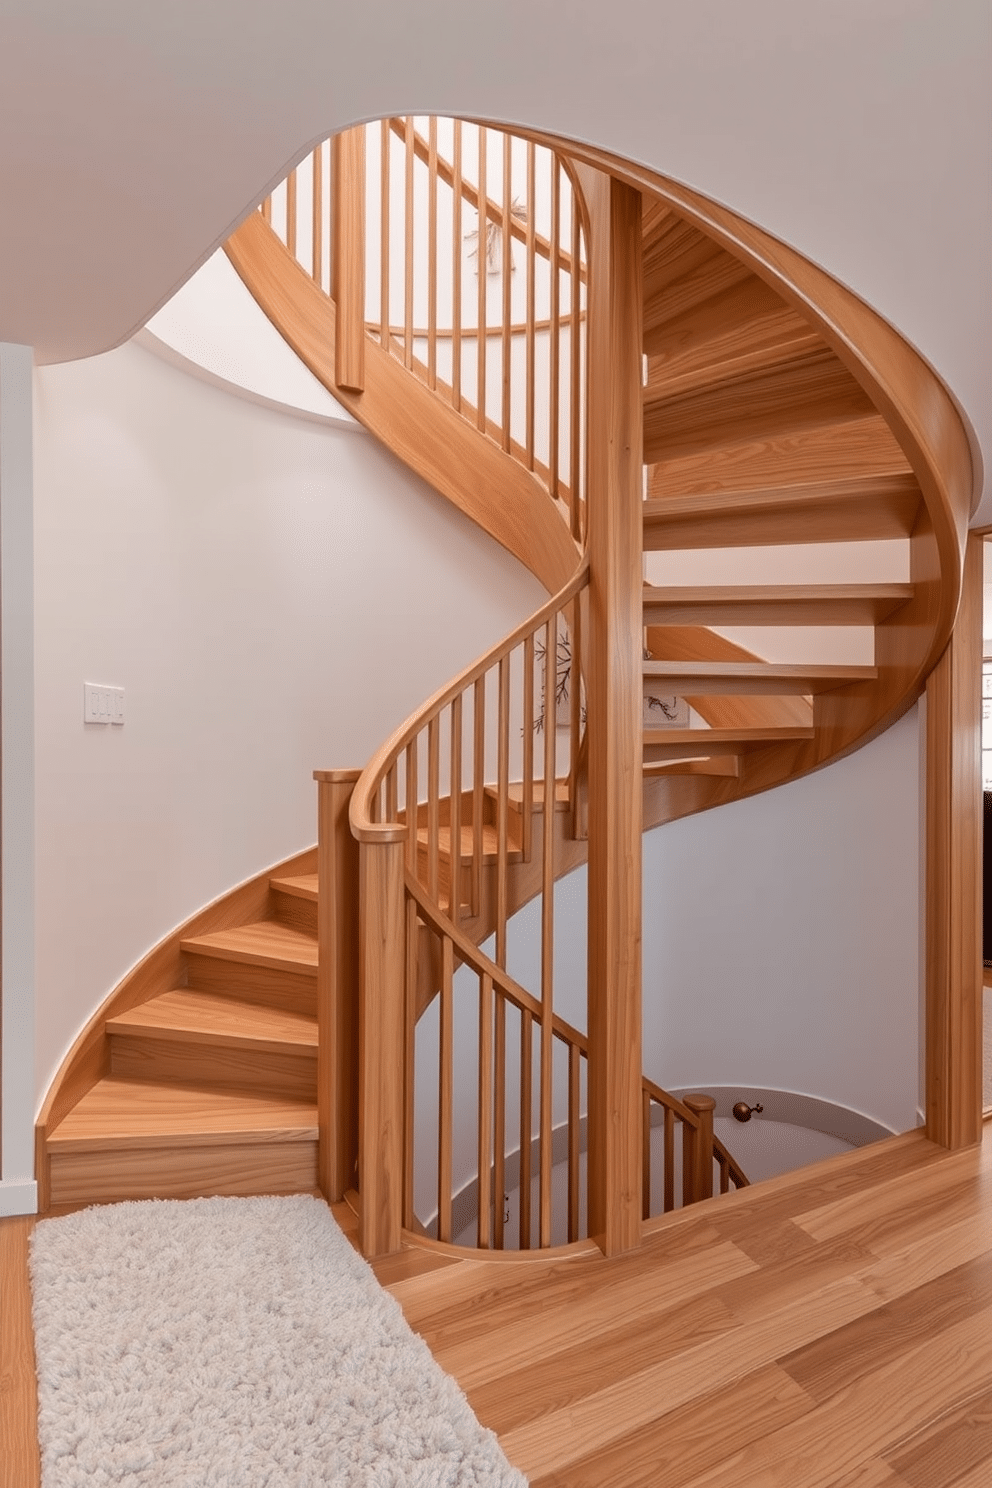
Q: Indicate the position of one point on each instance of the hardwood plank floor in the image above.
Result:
(829, 1329)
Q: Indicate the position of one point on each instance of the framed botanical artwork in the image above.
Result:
(663, 710)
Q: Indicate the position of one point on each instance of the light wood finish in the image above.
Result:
(734, 1348)
(661, 745)
(160, 971)
(863, 509)
(688, 677)
(857, 449)
(20, 1461)
(196, 1017)
(697, 644)
(689, 1363)
(742, 328)
(954, 875)
(502, 496)
(613, 683)
(697, 1154)
(266, 943)
(337, 984)
(783, 604)
(381, 1097)
(348, 257)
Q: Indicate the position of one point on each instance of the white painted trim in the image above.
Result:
(17, 888)
(18, 1198)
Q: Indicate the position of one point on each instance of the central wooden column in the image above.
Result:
(614, 690)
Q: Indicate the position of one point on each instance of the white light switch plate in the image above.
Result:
(102, 704)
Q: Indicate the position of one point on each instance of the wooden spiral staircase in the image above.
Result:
(776, 411)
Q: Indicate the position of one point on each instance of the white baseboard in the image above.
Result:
(18, 1198)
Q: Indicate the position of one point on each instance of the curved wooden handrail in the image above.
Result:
(503, 498)
(362, 824)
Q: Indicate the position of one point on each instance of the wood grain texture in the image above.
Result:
(382, 1149)
(954, 875)
(502, 496)
(348, 257)
(856, 449)
(160, 971)
(20, 1462)
(714, 677)
(855, 509)
(781, 604)
(681, 1363)
(613, 649)
(337, 985)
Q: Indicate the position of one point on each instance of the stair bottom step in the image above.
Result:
(231, 1170)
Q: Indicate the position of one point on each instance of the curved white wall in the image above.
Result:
(275, 596)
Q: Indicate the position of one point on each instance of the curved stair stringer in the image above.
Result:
(501, 497)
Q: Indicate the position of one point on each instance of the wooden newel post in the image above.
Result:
(381, 1095)
(697, 1150)
(337, 984)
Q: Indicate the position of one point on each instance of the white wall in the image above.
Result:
(274, 596)
(781, 937)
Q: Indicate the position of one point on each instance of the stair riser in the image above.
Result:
(266, 985)
(299, 914)
(254, 1071)
(113, 1174)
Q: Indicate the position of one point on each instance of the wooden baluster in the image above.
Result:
(502, 809)
(482, 265)
(408, 247)
(432, 254)
(527, 801)
(291, 212)
(392, 794)
(499, 1122)
(337, 984)
(646, 1157)
(455, 812)
(575, 393)
(409, 1088)
(317, 225)
(456, 269)
(382, 1020)
(478, 789)
(724, 1173)
(531, 298)
(554, 331)
(412, 792)
(697, 1152)
(433, 806)
(669, 1175)
(267, 210)
(485, 1110)
(547, 914)
(445, 1093)
(385, 147)
(526, 1122)
(574, 701)
(574, 1056)
(507, 271)
(348, 258)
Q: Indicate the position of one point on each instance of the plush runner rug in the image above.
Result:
(236, 1343)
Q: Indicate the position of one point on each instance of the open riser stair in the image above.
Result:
(277, 1042)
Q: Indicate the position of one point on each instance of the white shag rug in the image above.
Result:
(236, 1343)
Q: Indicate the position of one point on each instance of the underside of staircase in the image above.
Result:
(199, 1074)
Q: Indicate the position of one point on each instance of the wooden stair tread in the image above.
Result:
(673, 744)
(688, 677)
(774, 604)
(301, 885)
(857, 449)
(134, 1113)
(847, 510)
(490, 843)
(186, 1016)
(266, 943)
(773, 340)
(808, 390)
(515, 794)
(742, 319)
